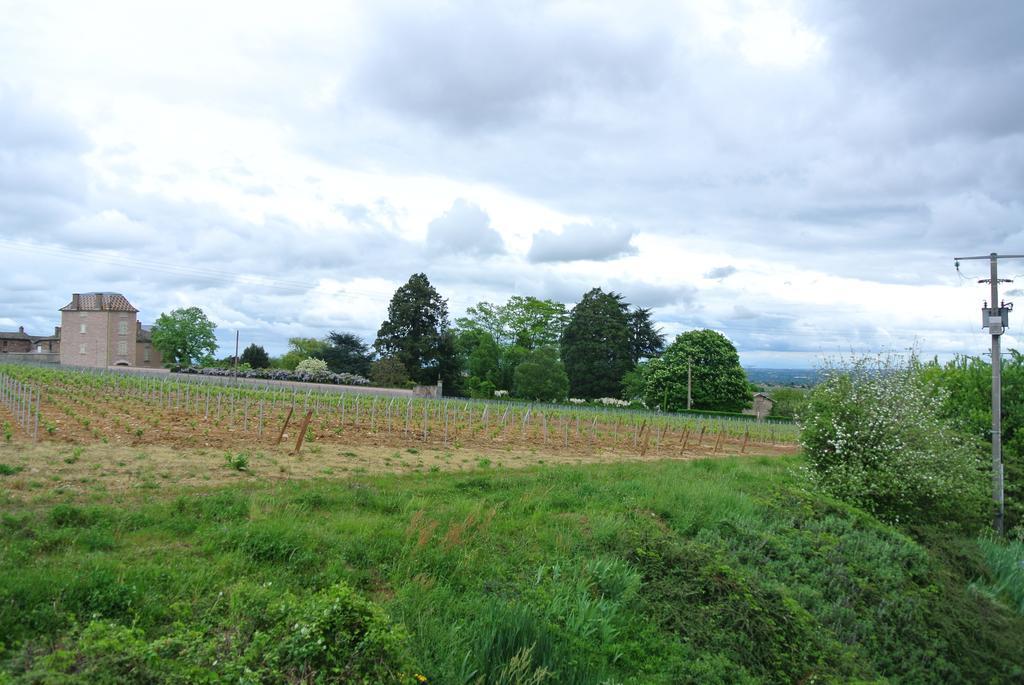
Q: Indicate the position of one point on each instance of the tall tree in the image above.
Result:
(528, 322)
(645, 341)
(484, 317)
(255, 356)
(298, 350)
(346, 353)
(595, 345)
(541, 376)
(415, 332)
(184, 336)
(533, 323)
(719, 382)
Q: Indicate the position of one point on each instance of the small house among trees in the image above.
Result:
(762, 406)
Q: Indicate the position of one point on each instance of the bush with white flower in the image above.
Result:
(312, 366)
(873, 436)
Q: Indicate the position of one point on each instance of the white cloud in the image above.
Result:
(246, 160)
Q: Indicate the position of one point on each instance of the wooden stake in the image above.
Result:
(302, 431)
(746, 437)
(285, 426)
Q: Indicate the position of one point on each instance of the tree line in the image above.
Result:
(530, 348)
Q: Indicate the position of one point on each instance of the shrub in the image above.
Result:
(279, 375)
(874, 436)
(339, 636)
(312, 366)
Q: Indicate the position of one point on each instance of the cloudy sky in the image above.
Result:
(796, 175)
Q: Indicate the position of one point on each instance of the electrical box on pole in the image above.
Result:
(996, 319)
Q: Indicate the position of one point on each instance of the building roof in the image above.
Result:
(15, 335)
(98, 302)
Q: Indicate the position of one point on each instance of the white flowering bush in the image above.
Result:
(873, 436)
(577, 400)
(312, 366)
(612, 402)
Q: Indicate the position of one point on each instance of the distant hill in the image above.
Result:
(793, 377)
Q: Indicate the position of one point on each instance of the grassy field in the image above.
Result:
(662, 571)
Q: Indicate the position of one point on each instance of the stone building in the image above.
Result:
(15, 341)
(762, 405)
(102, 329)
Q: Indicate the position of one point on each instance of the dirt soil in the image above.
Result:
(82, 472)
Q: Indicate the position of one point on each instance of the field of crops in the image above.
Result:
(82, 407)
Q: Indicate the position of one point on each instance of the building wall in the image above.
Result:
(99, 340)
(32, 358)
(15, 346)
(155, 360)
(121, 345)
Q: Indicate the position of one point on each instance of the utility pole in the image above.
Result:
(996, 319)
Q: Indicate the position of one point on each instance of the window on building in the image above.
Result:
(145, 354)
(122, 327)
(81, 328)
(81, 349)
(122, 347)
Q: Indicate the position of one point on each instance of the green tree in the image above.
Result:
(389, 372)
(645, 341)
(255, 356)
(966, 384)
(541, 376)
(596, 345)
(299, 349)
(788, 403)
(416, 332)
(528, 322)
(719, 382)
(346, 353)
(184, 336)
(484, 362)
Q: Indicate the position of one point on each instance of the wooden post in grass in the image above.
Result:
(260, 431)
(646, 438)
(718, 441)
(302, 431)
(746, 437)
(700, 438)
(685, 439)
(287, 418)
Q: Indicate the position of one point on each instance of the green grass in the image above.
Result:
(715, 571)
(1006, 582)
